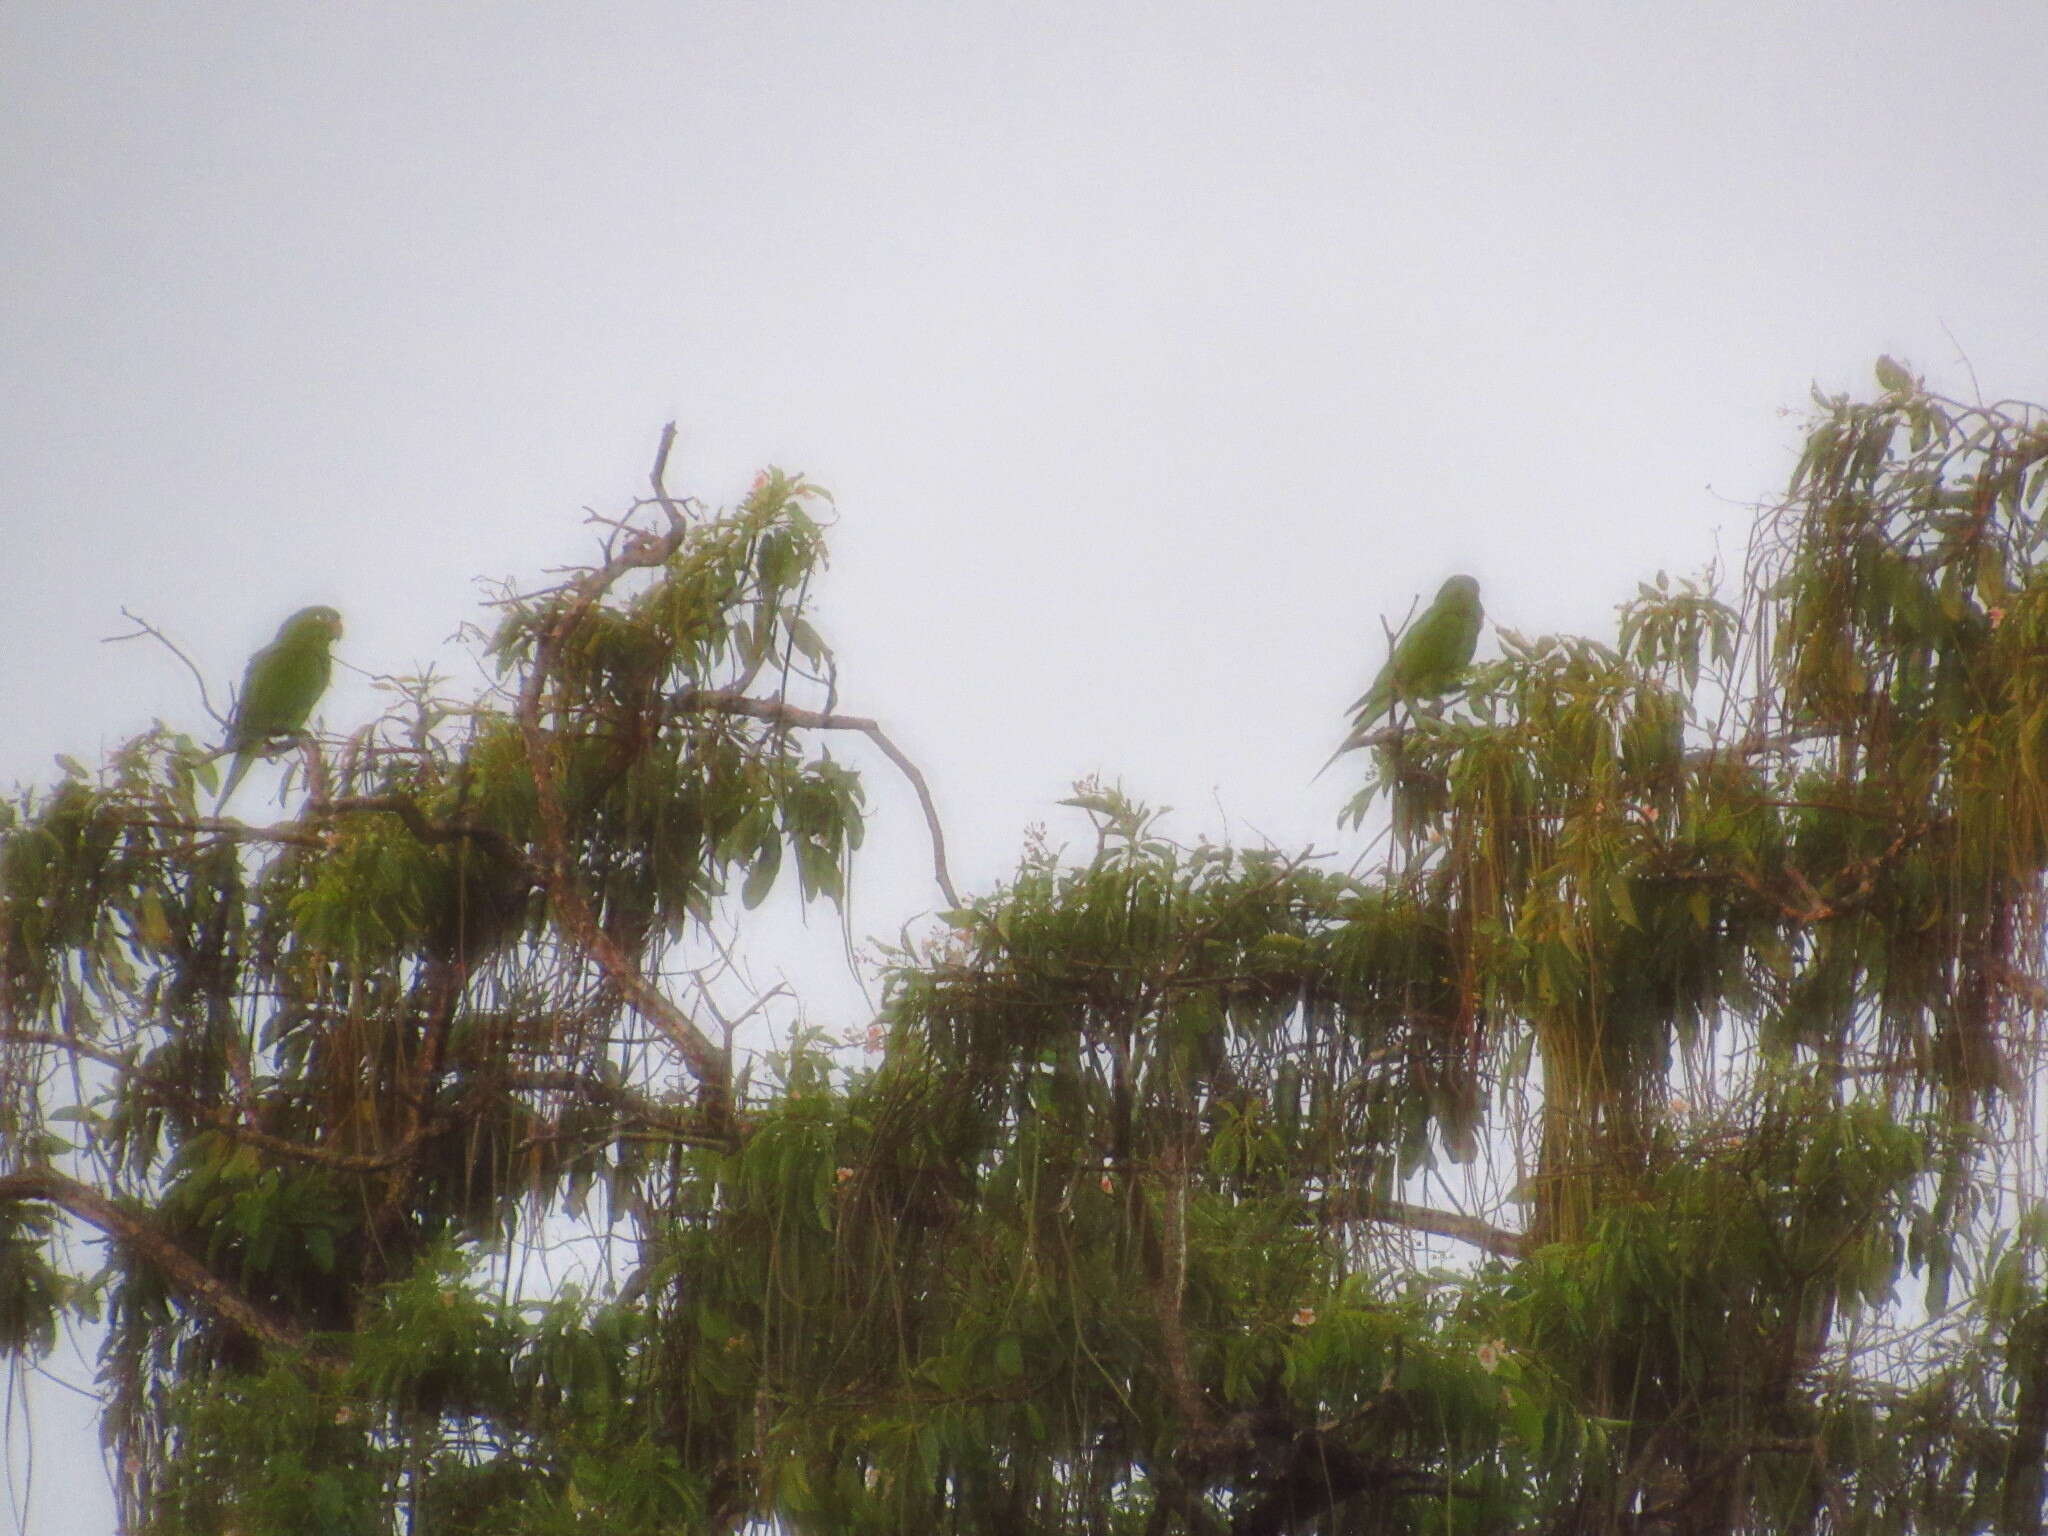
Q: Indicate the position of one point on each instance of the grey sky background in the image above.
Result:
(1153, 351)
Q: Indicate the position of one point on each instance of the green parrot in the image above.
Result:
(284, 681)
(1428, 661)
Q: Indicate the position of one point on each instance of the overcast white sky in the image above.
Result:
(1153, 351)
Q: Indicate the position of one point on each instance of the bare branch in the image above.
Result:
(776, 712)
(658, 478)
(284, 833)
(1355, 1205)
(144, 627)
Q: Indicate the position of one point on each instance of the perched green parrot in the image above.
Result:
(1428, 661)
(284, 681)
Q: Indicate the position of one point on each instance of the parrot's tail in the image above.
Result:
(235, 772)
(1348, 745)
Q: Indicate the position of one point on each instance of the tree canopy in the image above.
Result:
(1639, 1137)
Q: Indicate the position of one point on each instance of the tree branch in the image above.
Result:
(711, 1065)
(214, 826)
(144, 627)
(424, 828)
(1352, 1205)
(190, 1277)
(658, 478)
(776, 712)
(211, 1117)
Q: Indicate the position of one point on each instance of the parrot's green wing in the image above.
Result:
(1428, 662)
(284, 681)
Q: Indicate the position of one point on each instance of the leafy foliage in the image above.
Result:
(1641, 1146)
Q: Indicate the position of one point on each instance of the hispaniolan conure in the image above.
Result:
(1428, 661)
(284, 681)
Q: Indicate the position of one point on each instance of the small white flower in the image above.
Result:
(1490, 1353)
(1304, 1317)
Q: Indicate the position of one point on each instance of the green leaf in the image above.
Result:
(1701, 907)
(808, 642)
(1623, 898)
(761, 878)
(1010, 1355)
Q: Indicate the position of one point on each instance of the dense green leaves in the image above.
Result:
(1640, 1145)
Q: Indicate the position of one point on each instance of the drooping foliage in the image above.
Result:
(1643, 1143)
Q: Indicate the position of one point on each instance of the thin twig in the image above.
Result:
(284, 833)
(144, 627)
(777, 712)
(1975, 388)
